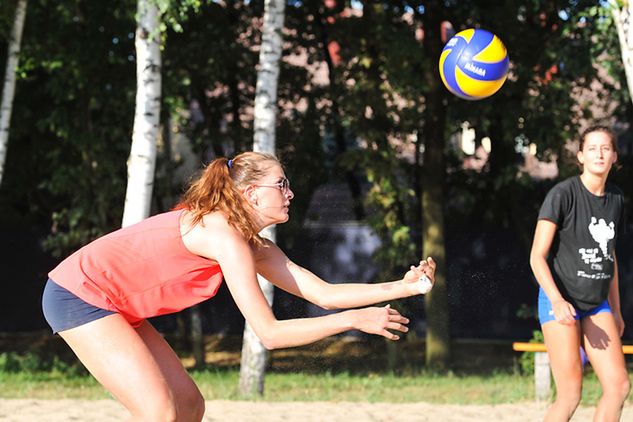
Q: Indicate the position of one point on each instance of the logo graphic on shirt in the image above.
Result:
(602, 233)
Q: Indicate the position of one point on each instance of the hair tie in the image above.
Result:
(230, 164)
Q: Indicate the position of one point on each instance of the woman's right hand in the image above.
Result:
(564, 312)
(379, 321)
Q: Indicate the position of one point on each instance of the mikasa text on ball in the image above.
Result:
(474, 64)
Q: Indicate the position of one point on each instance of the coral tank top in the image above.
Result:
(140, 271)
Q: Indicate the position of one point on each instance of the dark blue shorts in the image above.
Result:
(546, 314)
(63, 310)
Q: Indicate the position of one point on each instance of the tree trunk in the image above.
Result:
(8, 90)
(197, 339)
(142, 160)
(433, 196)
(254, 355)
(622, 19)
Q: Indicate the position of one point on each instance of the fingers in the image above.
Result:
(397, 327)
(428, 266)
(394, 322)
(389, 336)
(391, 310)
(565, 313)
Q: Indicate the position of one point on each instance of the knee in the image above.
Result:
(188, 407)
(619, 389)
(569, 397)
(192, 407)
(163, 411)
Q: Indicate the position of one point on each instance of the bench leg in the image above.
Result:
(542, 377)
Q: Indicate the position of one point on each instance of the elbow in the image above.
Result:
(327, 304)
(326, 299)
(270, 338)
(274, 342)
(535, 260)
(268, 341)
(269, 344)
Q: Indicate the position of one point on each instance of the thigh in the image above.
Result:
(604, 348)
(139, 369)
(180, 382)
(563, 348)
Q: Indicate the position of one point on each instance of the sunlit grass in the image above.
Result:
(334, 370)
(342, 387)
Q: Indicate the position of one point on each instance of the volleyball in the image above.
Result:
(474, 64)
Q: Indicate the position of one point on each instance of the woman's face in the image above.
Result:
(597, 155)
(271, 196)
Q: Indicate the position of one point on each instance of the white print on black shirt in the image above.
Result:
(602, 233)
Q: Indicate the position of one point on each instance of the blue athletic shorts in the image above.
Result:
(63, 310)
(546, 314)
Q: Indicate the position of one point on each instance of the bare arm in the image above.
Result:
(273, 264)
(614, 297)
(543, 238)
(220, 242)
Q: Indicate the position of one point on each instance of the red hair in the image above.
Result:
(219, 186)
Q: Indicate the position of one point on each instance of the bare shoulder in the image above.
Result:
(211, 236)
(268, 250)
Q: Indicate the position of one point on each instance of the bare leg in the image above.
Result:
(138, 367)
(604, 350)
(563, 343)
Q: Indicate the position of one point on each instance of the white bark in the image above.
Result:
(254, 355)
(8, 90)
(254, 359)
(142, 160)
(268, 77)
(622, 19)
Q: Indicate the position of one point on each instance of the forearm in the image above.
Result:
(353, 295)
(302, 331)
(544, 277)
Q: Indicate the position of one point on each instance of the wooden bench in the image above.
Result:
(542, 377)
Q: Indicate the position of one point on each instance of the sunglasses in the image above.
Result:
(283, 185)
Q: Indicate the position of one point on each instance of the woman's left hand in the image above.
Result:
(412, 277)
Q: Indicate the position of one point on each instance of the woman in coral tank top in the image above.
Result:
(98, 299)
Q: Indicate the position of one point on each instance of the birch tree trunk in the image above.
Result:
(142, 160)
(622, 19)
(254, 355)
(8, 90)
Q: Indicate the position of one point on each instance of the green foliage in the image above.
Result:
(388, 200)
(72, 120)
(380, 105)
(526, 361)
(34, 363)
(73, 111)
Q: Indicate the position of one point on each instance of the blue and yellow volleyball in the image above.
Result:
(474, 64)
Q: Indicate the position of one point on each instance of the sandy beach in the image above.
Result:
(240, 411)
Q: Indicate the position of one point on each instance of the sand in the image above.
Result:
(241, 411)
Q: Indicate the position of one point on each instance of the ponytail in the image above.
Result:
(218, 189)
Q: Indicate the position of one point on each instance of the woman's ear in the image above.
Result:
(250, 193)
